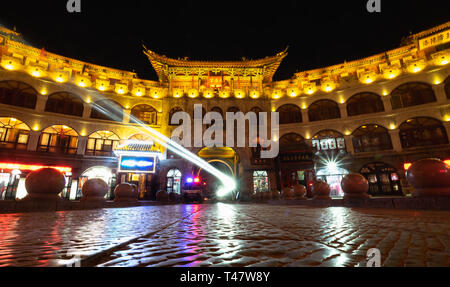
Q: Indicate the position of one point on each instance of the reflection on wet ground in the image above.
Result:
(227, 235)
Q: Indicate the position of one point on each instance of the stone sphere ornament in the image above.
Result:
(94, 189)
(300, 192)
(162, 196)
(267, 195)
(321, 190)
(44, 184)
(275, 194)
(173, 196)
(287, 193)
(429, 178)
(125, 192)
(355, 186)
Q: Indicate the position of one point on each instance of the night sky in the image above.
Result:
(318, 33)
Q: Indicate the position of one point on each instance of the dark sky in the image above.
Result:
(319, 33)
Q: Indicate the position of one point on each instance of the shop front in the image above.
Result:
(139, 165)
(13, 175)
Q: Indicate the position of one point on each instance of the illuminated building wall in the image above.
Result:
(370, 115)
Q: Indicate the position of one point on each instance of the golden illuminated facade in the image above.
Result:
(373, 116)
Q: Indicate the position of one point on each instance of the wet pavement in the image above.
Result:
(226, 235)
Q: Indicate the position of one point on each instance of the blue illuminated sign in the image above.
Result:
(137, 164)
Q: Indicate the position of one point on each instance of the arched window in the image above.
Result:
(174, 181)
(329, 140)
(102, 143)
(292, 139)
(14, 134)
(173, 112)
(144, 113)
(65, 103)
(18, 94)
(107, 110)
(233, 110)
(364, 103)
(412, 94)
(323, 110)
(141, 137)
(290, 114)
(59, 139)
(447, 87)
(217, 110)
(371, 138)
(422, 132)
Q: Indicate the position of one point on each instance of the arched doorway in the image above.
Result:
(173, 180)
(224, 159)
(383, 179)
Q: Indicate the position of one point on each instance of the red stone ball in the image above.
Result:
(355, 184)
(287, 193)
(429, 173)
(275, 194)
(46, 182)
(321, 189)
(173, 197)
(162, 196)
(94, 187)
(299, 191)
(267, 195)
(124, 190)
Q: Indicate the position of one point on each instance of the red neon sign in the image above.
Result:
(32, 167)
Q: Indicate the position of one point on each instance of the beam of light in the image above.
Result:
(228, 182)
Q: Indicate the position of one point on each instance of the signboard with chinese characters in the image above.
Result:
(215, 82)
(329, 144)
(435, 40)
(137, 164)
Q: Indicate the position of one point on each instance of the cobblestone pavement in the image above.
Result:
(227, 235)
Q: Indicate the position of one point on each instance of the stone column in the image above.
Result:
(33, 140)
(349, 144)
(439, 91)
(40, 103)
(82, 142)
(126, 116)
(343, 109)
(387, 103)
(395, 138)
(305, 117)
(87, 108)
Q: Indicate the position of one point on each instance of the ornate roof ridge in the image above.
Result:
(430, 31)
(186, 62)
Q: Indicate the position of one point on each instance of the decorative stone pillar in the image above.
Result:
(126, 116)
(305, 117)
(439, 91)
(87, 108)
(349, 144)
(387, 103)
(395, 138)
(33, 140)
(41, 102)
(82, 142)
(343, 109)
